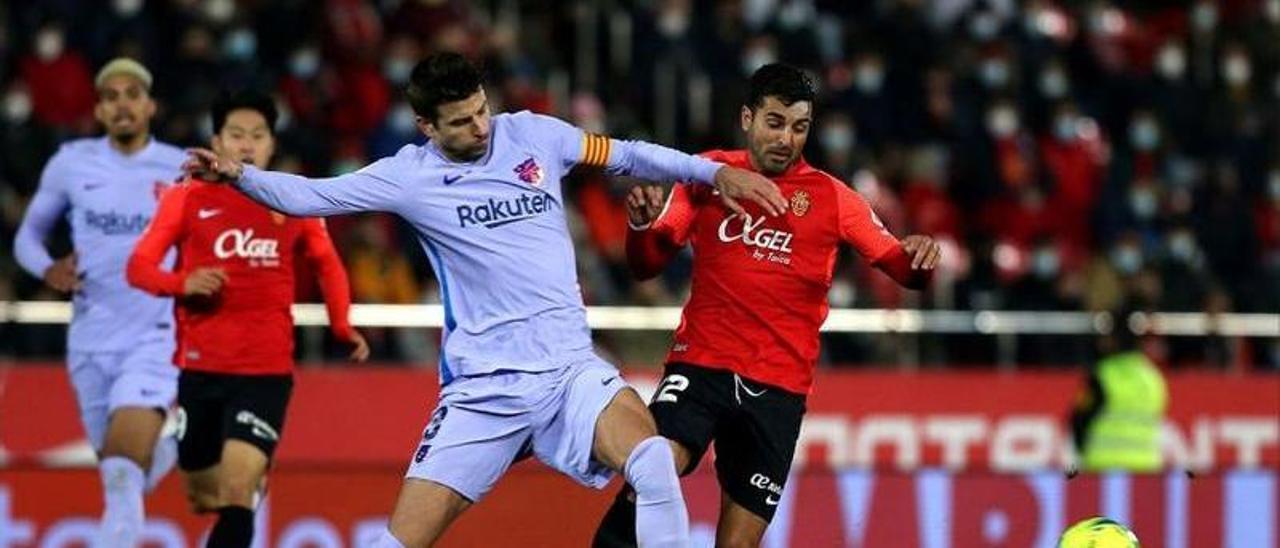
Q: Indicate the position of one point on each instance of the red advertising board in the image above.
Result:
(929, 459)
(896, 421)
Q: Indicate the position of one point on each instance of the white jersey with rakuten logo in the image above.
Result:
(108, 198)
(494, 230)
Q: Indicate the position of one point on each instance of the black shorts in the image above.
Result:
(215, 407)
(754, 425)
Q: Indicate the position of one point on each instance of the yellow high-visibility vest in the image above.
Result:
(1126, 433)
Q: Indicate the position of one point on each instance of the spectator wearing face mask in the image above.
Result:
(60, 83)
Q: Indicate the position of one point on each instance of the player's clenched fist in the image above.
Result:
(205, 163)
(204, 281)
(644, 204)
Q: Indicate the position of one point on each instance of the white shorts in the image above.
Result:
(143, 376)
(484, 424)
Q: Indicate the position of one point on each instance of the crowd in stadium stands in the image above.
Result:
(1072, 155)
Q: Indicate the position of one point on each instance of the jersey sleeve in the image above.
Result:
(369, 189)
(860, 227)
(166, 230)
(651, 247)
(332, 276)
(618, 157)
(49, 203)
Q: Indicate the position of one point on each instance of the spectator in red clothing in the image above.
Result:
(929, 208)
(1013, 151)
(60, 81)
(1073, 160)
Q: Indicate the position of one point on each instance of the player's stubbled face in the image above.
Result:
(776, 133)
(124, 107)
(461, 129)
(246, 137)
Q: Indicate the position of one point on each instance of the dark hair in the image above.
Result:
(789, 84)
(441, 78)
(229, 102)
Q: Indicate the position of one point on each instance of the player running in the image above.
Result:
(517, 368)
(234, 284)
(743, 356)
(120, 339)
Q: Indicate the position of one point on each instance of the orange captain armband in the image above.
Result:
(595, 150)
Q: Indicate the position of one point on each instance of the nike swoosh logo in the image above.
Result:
(93, 187)
(450, 180)
(207, 213)
(771, 500)
(606, 382)
(149, 393)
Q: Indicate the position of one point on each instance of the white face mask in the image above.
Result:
(994, 73)
(1045, 263)
(868, 78)
(219, 11)
(240, 44)
(984, 26)
(49, 45)
(397, 70)
(1144, 135)
(673, 23)
(1273, 185)
(1171, 62)
(836, 138)
(402, 119)
(1064, 127)
(1236, 70)
(17, 107)
(1143, 202)
(127, 8)
(1127, 259)
(757, 58)
(1002, 121)
(1053, 83)
(304, 63)
(1182, 246)
(1204, 17)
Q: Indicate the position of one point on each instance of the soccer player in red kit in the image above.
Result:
(742, 360)
(234, 284)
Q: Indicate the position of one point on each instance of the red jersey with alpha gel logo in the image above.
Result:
(760, 283)
(247, 327)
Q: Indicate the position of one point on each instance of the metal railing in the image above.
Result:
(640, 318)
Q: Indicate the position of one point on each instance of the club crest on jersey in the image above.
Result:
(530, 172)
(800, 203)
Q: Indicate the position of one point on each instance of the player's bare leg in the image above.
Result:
(738, 527)
(423, 511)
(202, 490)
(239, 472)
(626, 440)
(126, 454)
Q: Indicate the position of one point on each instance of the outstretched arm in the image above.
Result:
(658, 163)
(364, 190)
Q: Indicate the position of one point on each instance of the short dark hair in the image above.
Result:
(441, 78)
(229, 102)
(789, 84)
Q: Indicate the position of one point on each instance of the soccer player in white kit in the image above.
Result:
(518, 372)
(120, 341)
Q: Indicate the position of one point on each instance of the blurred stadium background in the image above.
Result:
(1073, 156)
